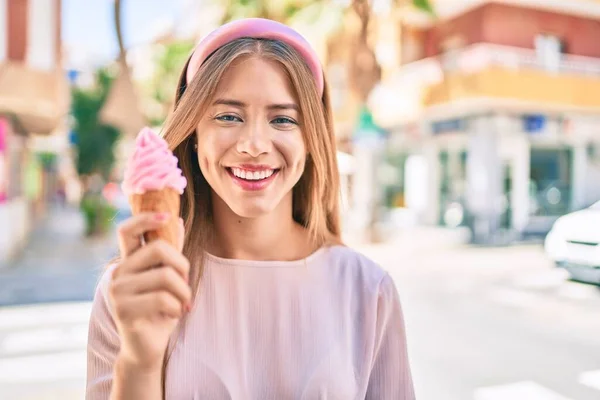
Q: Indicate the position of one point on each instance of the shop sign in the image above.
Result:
(534, 123)
(448, 126)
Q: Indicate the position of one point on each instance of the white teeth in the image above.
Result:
(250, 175)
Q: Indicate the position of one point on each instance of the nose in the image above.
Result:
(254, 140)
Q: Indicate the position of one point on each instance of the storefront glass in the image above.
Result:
(550, 187)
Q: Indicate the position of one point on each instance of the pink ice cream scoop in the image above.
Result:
(152, 166)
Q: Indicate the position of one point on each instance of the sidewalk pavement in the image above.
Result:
(414, 239)
(61, 264)
(58, 264)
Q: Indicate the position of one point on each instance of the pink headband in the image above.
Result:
(255, 28)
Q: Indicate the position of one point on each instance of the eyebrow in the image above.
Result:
(240, 104)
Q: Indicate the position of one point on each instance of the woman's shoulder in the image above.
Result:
(350, 263)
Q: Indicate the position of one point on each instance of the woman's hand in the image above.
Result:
(149, 292)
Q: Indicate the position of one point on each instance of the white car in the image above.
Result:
(573, 244)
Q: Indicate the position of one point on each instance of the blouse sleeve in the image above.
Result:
(103, 343)
(390, 377)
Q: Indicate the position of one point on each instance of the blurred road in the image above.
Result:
(496, 324)
(483, 324)
(42, 351)
(46, 294)
(59, 264)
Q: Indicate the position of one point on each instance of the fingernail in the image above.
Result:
(161, 216)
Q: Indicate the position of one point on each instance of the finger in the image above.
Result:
(181, 235)
(156, 253)
(149, 305)
(163, 278)
(131, 231)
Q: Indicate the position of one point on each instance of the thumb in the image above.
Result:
(180, 235)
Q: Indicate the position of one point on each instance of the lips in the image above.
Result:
(253, 178)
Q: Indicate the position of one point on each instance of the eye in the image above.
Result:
(284, 121)
(228, 118)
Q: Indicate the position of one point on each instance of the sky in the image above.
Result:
(88, 28)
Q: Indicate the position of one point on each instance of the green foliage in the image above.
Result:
(278, 10)
(284, 10)
(160, 88)
(47, 160)
(424, 5)
(98, 214)
(95, 141)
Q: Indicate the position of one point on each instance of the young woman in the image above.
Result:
(276, 307)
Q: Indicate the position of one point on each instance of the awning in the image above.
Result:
(39, 100)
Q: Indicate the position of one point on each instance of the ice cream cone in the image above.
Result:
(163, 201)
(154, 183)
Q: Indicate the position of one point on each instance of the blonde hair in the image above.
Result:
(315, 196)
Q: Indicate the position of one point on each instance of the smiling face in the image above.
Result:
(250, 145)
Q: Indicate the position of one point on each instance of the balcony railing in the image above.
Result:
(489, 55)
(504, 72)
(481, 56)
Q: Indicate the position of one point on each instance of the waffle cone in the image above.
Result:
(163, 201)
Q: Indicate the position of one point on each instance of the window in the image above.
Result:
(550, 181)
(549, 49)
(450, 49)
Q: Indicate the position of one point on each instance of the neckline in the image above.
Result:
(268, 263)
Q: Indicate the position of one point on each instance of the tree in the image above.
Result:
(94, 150)
(121, 108)
(94, 141)
(364, 69)
(119, 30)
(278, 10)
(169, 60)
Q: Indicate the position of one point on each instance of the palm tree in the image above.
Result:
(121, 108)
(364, 71)
(278, 10)
(119, 30)
(158, 90)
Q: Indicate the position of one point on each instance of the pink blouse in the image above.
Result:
(326, 327)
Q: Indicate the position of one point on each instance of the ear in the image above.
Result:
(194, 139)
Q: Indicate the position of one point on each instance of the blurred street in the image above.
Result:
(483, 323)
(491, 324)
(58, 264)
(467, 145)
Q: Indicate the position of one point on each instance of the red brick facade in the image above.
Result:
(17, 21)
(516, 26)
(17, 29)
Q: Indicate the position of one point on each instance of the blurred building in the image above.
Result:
(496, 114)
(34, 100)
